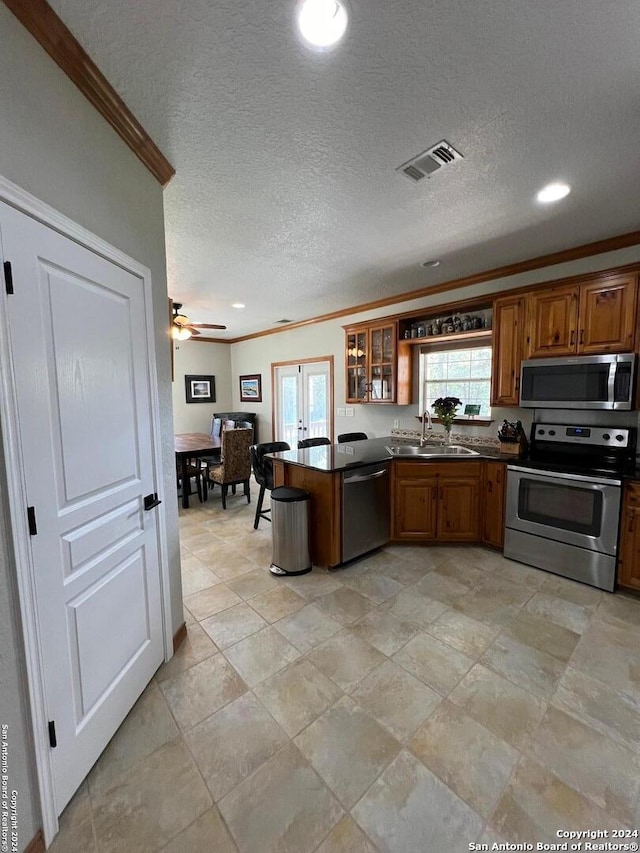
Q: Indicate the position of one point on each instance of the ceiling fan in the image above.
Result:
(182, 328)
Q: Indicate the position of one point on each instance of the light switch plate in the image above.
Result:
(396, 423)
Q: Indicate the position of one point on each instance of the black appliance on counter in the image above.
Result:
(563, 503)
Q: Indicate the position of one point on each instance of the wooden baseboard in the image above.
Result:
(36, 845)
(179, 636)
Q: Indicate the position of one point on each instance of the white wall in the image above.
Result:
(55, 145)
(192, 358)
(327, 338)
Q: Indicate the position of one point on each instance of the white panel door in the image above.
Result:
(302, 401)
(79, 348)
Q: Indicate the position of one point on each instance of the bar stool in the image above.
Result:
(263, 472)
(312, 442)
(352, 436)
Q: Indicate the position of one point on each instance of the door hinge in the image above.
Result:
(8, 277)
(53, 740)
(31, 518)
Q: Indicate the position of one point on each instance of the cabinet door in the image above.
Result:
(493, 504)
(629, 562)
(553, 316)
(458, 509)
(415, 508)
(607, 316)
(508, 341)
(382, 355)
(357, 390)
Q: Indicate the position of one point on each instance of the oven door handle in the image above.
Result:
(559, 475)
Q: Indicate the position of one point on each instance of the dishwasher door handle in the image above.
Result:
(359, 478)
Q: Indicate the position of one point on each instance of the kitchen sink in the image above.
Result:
(432, 450)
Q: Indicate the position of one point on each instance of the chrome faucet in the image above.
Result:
(426, 419)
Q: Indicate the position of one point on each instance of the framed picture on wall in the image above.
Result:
(251, 388)
(200, 389)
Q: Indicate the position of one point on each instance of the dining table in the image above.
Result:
(190, 445)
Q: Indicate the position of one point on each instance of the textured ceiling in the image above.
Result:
(285, 196)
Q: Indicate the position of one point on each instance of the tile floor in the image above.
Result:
(415, 702)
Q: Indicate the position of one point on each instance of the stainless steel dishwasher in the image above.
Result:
(365, 509)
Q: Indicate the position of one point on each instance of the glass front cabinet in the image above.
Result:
(373, 364)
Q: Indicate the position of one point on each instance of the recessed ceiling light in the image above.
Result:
(430, 264)
(553, 192)
(322, 23)
(237, 304)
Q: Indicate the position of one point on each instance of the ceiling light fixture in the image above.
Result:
(553, 192)
(237, 304)
(430, 264)
(180, 334)
(322, 23)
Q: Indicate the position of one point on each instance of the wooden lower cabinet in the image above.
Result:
(415, 508)
(493, 490)
(434, 501)
(629, 560)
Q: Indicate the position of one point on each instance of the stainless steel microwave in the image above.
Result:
(580, 382)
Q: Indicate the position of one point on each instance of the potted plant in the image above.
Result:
(446, 408)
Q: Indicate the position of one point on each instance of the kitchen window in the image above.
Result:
(455, 372)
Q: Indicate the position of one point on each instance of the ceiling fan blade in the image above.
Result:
(206, 326)
(192, 330)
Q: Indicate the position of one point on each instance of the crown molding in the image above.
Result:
(62, 46)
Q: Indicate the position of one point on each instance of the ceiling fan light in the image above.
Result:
(181, 320)
(180, 334)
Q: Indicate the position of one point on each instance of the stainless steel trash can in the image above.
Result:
(290, 529)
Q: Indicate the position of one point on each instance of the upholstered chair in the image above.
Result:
(235, 466)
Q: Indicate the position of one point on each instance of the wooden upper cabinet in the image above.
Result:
(508, 344)
(589, 319)
(552, 322)
(607, 316)
(377, 369)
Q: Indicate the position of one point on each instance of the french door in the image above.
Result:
(303, 394)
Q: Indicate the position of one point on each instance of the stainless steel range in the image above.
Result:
(563, 503)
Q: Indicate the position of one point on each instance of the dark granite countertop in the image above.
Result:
(338, 457)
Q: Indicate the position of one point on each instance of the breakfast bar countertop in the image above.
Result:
(339, 457)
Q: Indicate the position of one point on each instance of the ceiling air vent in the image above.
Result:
(430, 161)
(282, 322)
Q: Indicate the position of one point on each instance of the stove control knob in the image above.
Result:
(540, 432)
(619, 438)
(606, 436)
(552, 432)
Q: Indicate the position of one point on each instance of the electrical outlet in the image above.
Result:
(396, 423)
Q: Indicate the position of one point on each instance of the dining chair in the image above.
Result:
(235, 467)
(216, 427)
(193, 472)
(263, 472)
(313, 442)
(352, 436)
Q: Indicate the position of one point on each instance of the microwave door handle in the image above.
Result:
(611, 385)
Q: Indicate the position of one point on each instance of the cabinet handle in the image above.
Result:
(572, 339)
(490, 486)
(517, 383)
(498, 476)
(632, 519)
(581, 336)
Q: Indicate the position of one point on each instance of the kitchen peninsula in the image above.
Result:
(430, 498)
